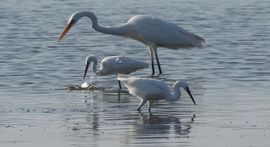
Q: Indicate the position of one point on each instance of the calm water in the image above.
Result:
(229, 77)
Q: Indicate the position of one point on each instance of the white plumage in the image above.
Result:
(152, 32)
(114, 65)
(157, 32)
(152, 89)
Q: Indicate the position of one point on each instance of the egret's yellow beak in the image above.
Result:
(68, 26)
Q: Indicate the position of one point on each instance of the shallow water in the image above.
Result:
(229, 77)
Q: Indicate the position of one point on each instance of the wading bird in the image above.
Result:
(152, 32)
(114, 65)
(152, 89)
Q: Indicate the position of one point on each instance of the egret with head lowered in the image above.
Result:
(151, 31)
(151, 89)
(114, 65)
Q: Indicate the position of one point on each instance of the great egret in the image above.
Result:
(113, 65)
(152, 32)
(152, 89)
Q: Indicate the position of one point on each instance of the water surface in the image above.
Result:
(229, 77)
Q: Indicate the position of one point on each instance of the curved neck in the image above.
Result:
(176, 92)
(95, 62)
(120, 30)
(95, 66)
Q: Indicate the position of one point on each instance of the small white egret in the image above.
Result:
(152, 32)
(114, 65)
(152, 89)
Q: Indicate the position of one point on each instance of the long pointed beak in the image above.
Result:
(67, 28)
(86, 69)
(189, 93)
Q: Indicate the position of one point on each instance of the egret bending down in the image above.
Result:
(114, 65)
(152, 32)
(152, 89)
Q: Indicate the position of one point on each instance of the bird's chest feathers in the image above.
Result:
(136, 36)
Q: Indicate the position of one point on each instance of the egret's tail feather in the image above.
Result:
(144, 65)
(200, 39)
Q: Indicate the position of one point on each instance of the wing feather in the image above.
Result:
(122, 65)
(165, 34)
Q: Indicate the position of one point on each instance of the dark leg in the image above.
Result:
(155, 51)
(152, 60)
(143, 101)
(119, 83)
(150, 103)
(119, 97)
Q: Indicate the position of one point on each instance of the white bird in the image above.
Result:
(152, 89)
(152, 32)
(114, 65)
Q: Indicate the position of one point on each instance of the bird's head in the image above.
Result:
(88, 60)
(74, 18)
(184, 85)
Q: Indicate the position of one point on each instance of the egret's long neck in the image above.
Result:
(176, 93)
(120, 30)
(95, 62)
(95, 66)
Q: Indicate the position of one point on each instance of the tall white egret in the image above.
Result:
(114, 65)
(152, 89)
(152, 32)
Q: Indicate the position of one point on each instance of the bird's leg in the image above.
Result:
(155, 51)
(119, 83)
(119, 98)
(150, 103)
(152, 118)
(152, 60)
(143, 101)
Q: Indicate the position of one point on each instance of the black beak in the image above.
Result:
(189, 93)
(86, 69)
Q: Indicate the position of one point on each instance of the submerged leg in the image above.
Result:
(152, 60)
(119, 96)
(143, 101)
(155, 51)
(150, 104)
(119, 83)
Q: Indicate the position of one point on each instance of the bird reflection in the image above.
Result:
(84, 125)
(153, 125)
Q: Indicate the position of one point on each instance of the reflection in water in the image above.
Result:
(103, 121)
(149, 127)
(85, 125)
(230, 76)
(164, 123)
